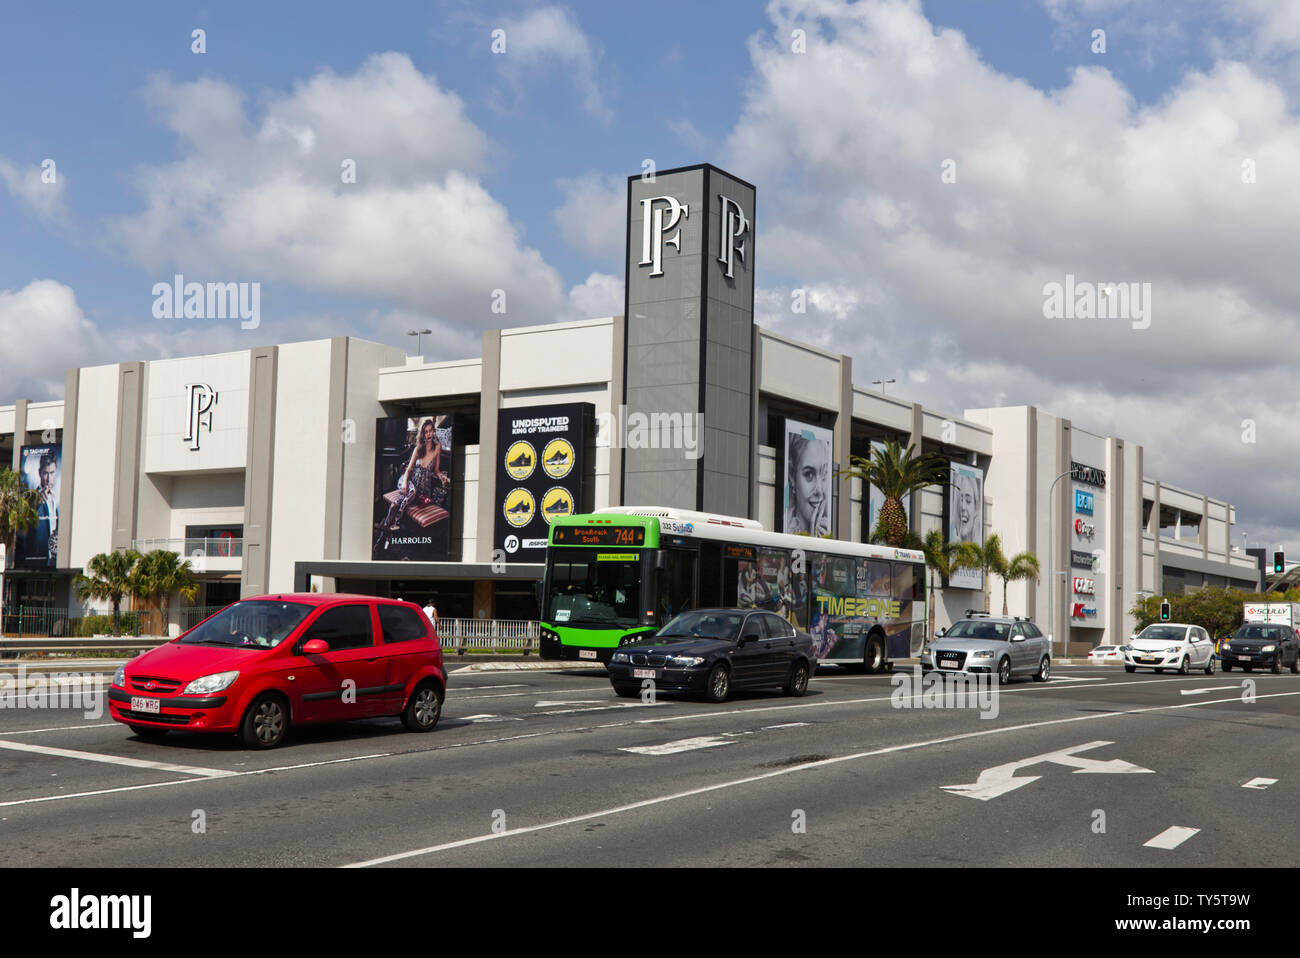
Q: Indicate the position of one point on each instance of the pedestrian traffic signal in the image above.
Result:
(1279, 562)
(1164, 611)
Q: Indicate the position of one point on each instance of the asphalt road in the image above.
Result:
(551, 768)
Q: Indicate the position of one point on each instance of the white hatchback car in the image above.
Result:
(1170, 645)
(1106, 655)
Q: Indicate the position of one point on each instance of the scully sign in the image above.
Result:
(661, 222)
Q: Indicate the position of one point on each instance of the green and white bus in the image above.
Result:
(617, 574)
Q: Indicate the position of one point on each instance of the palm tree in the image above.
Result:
(112, 576)
(18, 507)
(160, 573)
(1022, 565)
(943, 557)
(988, 558)
(897, 473)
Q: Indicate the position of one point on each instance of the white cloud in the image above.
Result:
(43, 333)
(941, 285)
(29, 185)
(261, 198)
(552, 35)
(593, 216)
(600, 295)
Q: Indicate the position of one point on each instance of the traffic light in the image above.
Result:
(1279, 562)
(1164, 611)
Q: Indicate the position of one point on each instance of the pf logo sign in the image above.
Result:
(200, 397)
(734, 227)
(653, 229)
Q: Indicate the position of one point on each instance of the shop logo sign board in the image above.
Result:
(541, 474)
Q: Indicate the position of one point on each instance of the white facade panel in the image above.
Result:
(540, 357)
(92, 491)
(167, 414)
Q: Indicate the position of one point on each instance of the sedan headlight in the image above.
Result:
(620, 657)
(982, 654)
(119, 677)
(211, 683)
(684, 661)
(1269, 648)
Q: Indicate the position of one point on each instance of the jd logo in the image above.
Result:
(734, 228)
(653, 228)
(200, 397)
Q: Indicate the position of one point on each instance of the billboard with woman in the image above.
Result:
(808, 504)
(413, 470)
(966, 518)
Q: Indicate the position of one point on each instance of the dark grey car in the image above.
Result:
(990, 645)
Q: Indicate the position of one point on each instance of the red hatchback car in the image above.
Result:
(262, 664)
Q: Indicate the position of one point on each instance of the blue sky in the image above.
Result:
(478, 171)
(82, 69)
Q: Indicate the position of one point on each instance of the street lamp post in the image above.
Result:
(419, 335)
(881, 383)
(1051, 561)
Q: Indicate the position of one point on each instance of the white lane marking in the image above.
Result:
(477, 718)
(477, 688)
(1001, 778)
(1075, 678)
(116, 760)
(551, 705)
(59, 728)
(682, 745)
(608, 725)
(789, 770)
(1260, 783)
(1214, 688)
(1171, 837)
(786, 725)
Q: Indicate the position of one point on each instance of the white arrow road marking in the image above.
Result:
(1001, 779)
(682, 745)
(1171, 837)
(478, 718)
(117, 760)
(1216, 688)
(1074, 678)
(1260, 783)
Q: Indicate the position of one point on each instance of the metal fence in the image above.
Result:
(221, 547)
(520, 635)
(58, 622)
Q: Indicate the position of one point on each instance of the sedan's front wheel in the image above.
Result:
(1185, 666)
(718, 686)
(1277, 664)
(1004, 671)
(1044, 669)
(1130, 668)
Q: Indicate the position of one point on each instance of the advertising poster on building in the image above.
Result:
(876, 499)
(41, 469)
(541, 474)
(1087, 537)
(413, 493)
(965, 518)
(807, 505)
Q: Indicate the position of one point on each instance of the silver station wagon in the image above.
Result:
(981, 644)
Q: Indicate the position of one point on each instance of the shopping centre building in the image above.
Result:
(342, 464)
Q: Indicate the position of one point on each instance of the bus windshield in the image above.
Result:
(594, 587)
